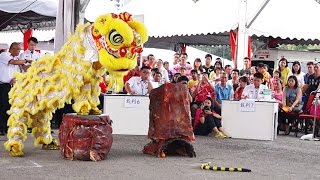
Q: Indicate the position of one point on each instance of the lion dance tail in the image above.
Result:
(36, 95)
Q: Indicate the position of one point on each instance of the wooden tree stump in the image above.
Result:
(85, 137)
(170, 126)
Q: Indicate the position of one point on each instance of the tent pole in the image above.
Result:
(264, 4)
(242, 40)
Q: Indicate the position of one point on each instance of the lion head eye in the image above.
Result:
(115, 38)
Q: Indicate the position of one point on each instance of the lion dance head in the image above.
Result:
(119, 40)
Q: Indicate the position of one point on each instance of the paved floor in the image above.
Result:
(286, 158)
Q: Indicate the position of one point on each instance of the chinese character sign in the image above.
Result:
(132, 102)
(247, 105)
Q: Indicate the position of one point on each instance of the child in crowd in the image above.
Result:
(243, 82)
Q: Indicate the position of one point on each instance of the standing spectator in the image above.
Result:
(243, 82)
(246, 65)
(183, 63)
(223, 91)
(218, 64)
(284, 70)
(163, 71)
(197, 65)
(313, 81)
(253, 70)
(264, 72)
(151, 61)
(296, 71)
(30, 53)
(131, 73)
(166, 66)
(228, 69)
(255, 90)
(208, 67)
(176, 59)
(139, 85)
(234, 81)
(310, 67)
(9, 64)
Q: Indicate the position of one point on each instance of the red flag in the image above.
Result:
(26, 35)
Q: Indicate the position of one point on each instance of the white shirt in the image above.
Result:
(253, 93)
(7, 70)
(29, 55)
(165, 75)
(138, 86)
(300, 78)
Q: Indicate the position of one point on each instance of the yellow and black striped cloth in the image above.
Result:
(206, 166)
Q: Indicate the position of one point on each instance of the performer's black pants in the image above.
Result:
(4, 106)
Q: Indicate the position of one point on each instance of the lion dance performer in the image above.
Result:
(111, 43)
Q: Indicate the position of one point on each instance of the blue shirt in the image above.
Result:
(223, 93)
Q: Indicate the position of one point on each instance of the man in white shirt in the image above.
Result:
(30, 53)
(255, 90)
(9, 64)
(139, 85)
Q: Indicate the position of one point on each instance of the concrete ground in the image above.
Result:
(286, 158)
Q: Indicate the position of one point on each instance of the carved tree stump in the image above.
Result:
(85, 137)
(170, 126)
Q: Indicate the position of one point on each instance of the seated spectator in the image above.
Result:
(193, 82)
(215, 75)
(264, 72)
(182, 71)
(175, 77)
(184, 80)
(243, 82)
(247, 73)
(255, 90)
(203, 90)
(228, 70)
(166, 66)
(277, 92)
(291, 102)
(139, 85)
(253, 70)
(157, 80)
(234, 81)
(223, 91)
(131, 73)
(207, 121)
(163, 71)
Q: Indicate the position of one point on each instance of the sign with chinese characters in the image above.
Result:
(132, 102)
(247, 105)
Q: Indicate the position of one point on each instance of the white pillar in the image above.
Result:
(242, 40)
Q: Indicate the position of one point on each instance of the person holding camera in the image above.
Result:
(207, 121)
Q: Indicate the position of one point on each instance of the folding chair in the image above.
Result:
(306, 115)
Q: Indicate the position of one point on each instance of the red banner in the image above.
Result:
(26, 35)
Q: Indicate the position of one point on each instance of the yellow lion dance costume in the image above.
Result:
(110, 43)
